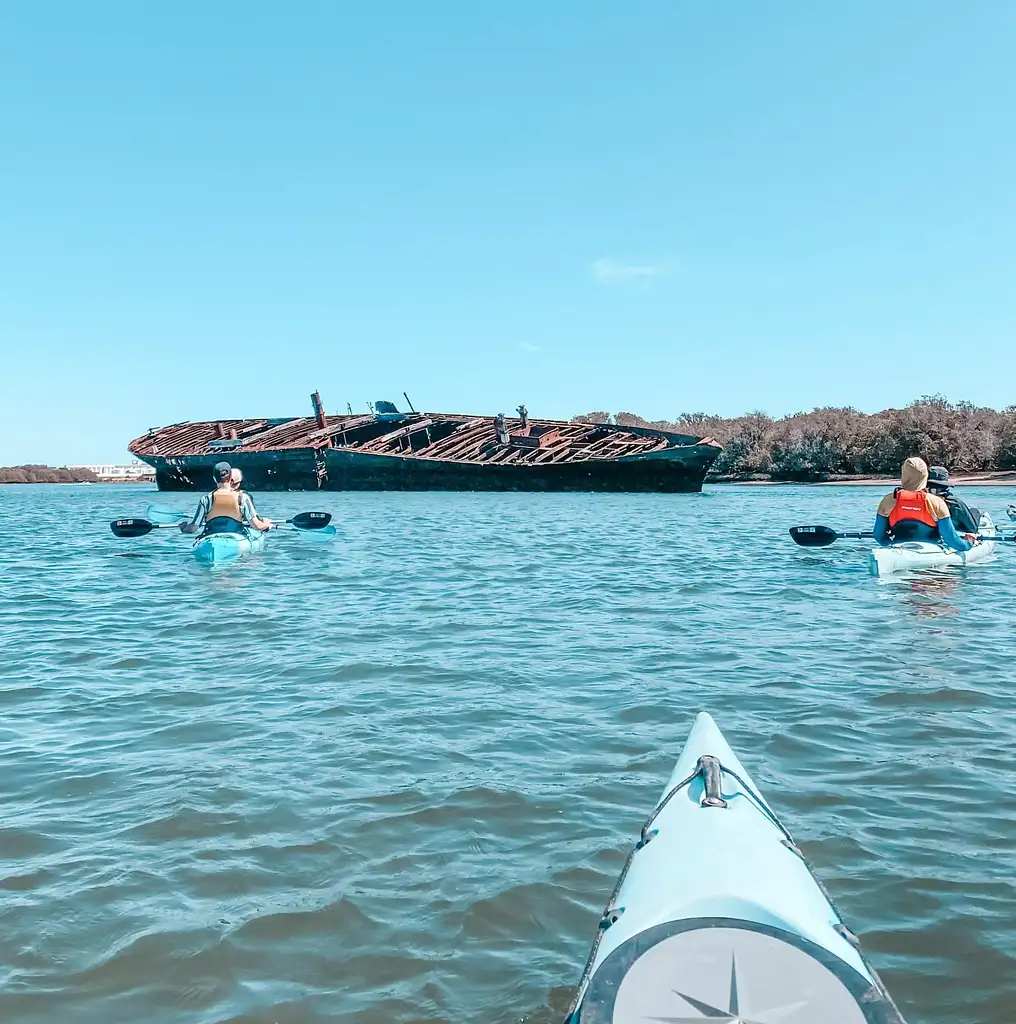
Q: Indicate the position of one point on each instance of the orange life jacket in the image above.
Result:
(912, 507)
(225, 503)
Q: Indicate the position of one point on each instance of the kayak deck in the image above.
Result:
(717, 916)
(891, 558)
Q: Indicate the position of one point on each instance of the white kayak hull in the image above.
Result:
(717, 916)
(909, 555)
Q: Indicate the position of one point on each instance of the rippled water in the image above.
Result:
(393, 778)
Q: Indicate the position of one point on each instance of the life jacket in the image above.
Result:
(911, 508)
(225, 504)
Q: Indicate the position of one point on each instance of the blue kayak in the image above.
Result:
(223, 547)
(717, 916)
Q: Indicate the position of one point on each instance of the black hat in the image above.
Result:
(221, 470)
(938, 476)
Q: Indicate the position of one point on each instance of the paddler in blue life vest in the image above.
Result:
(226, 509)
(911, 512)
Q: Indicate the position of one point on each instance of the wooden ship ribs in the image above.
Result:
(392, 450)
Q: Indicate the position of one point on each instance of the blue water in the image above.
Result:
(393, 777)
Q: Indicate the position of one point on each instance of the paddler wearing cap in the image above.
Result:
(227, 509)
(965, 518)
(912, 512)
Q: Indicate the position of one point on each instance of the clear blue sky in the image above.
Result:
(211, 209)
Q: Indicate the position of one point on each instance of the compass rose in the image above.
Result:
(733, 1014)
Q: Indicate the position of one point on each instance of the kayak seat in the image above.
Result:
(223, 524)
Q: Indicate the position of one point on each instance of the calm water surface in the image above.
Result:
(393, 778)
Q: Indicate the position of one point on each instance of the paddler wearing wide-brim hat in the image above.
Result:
(912, 513)
(226, 509)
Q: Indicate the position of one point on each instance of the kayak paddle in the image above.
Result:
(821, 536)
(305, 521)
(139, 527)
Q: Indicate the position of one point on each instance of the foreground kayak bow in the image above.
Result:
(717, 916)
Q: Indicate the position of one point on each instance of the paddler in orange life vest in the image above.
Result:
(226, 509)
(911, 512)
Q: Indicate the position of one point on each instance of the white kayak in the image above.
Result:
(927, 555)
(717, 916)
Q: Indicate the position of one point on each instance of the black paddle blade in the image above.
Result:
(813, 536)
(131, 527)
(311, 520)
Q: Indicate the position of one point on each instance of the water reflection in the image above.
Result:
(927, 592)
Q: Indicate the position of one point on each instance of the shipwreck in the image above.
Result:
(389, 450)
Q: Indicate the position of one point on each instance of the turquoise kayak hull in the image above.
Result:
(226, 547)
(718, 916)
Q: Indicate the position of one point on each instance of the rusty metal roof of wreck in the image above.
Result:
(460, 438)
(255, 435)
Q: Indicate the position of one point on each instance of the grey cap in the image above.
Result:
(222, 470)
(939, 476)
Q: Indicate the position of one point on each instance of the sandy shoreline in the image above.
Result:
(976, 480)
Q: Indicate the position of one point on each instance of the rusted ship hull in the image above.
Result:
(393, 451)
(262, 471)
(346, 471)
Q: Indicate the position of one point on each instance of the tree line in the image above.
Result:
(46, 475)
(831, 442)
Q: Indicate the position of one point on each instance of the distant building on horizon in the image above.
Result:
(135, 471)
